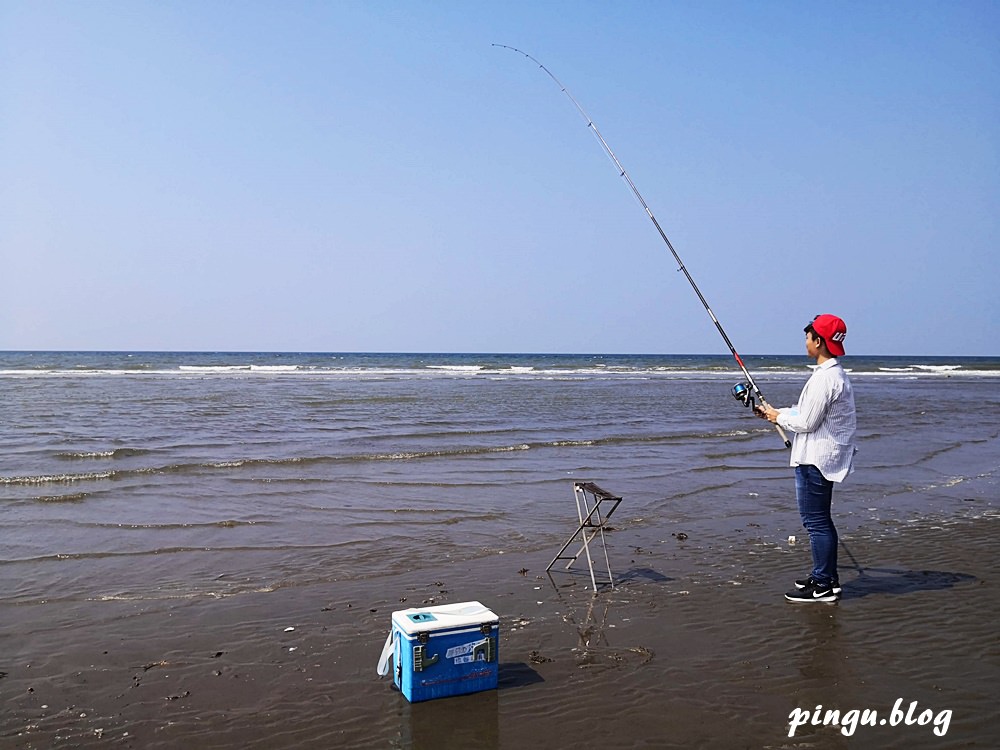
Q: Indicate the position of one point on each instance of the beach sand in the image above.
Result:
(694, 647)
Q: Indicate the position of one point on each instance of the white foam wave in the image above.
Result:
(597, 370)
(239, 369)
(215, 368)
(76, 373)
(58, 478)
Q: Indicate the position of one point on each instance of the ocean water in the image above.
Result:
(159, 476)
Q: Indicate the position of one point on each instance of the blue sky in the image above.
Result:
(375, 176)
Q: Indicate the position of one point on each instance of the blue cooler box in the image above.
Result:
(449, 649)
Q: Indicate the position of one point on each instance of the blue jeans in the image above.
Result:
(815, 494)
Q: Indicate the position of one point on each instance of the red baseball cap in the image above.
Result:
(833, 331)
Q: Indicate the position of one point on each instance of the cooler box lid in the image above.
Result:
(441, 617)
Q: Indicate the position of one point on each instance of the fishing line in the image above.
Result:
(745, 393)
(861, 571)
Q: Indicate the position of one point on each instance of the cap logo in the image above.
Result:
(839, 336)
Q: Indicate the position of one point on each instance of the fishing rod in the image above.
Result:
(745, 393)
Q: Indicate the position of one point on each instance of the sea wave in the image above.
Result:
(113, 453)
(57, 478)
(456, 368)
(388, 367)
(71, 498)
(249, 367)
(197, 467)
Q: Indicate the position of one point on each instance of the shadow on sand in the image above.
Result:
(517, 674)
(893, 581)
(644, 574)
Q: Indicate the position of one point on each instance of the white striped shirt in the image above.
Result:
(824, 422)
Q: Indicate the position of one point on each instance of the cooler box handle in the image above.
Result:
(383, 660)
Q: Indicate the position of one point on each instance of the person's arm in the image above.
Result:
(811, 410)
(808, 414)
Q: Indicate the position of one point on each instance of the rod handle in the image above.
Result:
(784, 437)
(788, 443)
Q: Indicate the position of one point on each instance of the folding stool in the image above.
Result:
(589, 498)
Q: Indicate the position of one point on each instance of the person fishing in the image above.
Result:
(824, 424)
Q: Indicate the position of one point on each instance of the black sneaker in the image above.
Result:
(813, 593)
(805, 582)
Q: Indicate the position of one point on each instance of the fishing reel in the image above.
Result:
(743, 394)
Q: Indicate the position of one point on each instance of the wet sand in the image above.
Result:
(694, 647)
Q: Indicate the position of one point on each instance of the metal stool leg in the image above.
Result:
(588, 528)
